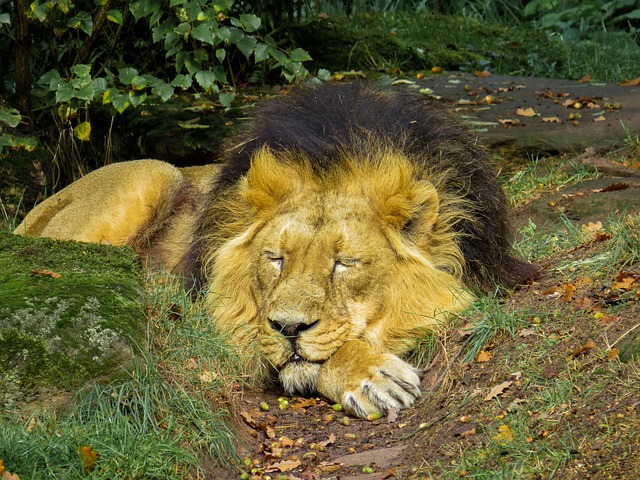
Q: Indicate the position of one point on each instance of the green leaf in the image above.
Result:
(220, 74)
(182, 81)
(162, 30)
(5, 19)
(324, 75)
(85, 93)
(82, 131)
(10, 116)
(81, 70)
(250, 22)
(99, 84)
(247, 45)
(203, 33)
(221, 54)
(206, 79)
(174, 3)
(137, 98)
(115, 16)
(163, 90)
(261, 52)
(139, 83)
(299, 55)
(64, 93)
(226, 99)
(53, 78)
(223, 33)
(120, 102)
(235, 35)
(144, 8)
(127, 75)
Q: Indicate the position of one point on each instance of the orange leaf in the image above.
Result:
(569, 290)
(88, 457)
(505, 435)
(484, 356)
(630, 83)
(585, 79)
(47, 273)
(612, 354)
(586, 348)
(624, 282)
(483, 73)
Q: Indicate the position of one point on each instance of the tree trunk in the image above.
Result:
(23, 60)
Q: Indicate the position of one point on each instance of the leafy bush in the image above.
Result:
(120, 54)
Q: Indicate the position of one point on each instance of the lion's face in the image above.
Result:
(314, 260)
(320, 275)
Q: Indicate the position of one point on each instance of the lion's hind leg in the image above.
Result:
(109, 205)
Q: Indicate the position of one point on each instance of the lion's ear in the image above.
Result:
(269, 181)
(402, 199)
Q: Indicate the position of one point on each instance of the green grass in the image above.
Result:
(154, 424)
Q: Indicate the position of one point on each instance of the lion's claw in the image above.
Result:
(396, 385)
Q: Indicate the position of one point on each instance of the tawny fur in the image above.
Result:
(344, 223)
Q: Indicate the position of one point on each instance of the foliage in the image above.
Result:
(577, 19)
(122, 54)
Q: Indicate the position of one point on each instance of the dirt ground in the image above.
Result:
(553, 394)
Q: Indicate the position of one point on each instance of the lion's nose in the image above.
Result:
(291, 329)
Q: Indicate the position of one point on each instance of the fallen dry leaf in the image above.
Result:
(591, 227)
(484, 356)
(585, 79)
(482, 74)
(304, 403)
(498, 390)
(283, 466)
(625, 283)
(505, 435)
(630, 83)
(526, 112)
(550, 119)
(584, 349)
(88, 456)
(612, 354)
(569, 290)
(527, 332)
(47, 273)
(599, 119)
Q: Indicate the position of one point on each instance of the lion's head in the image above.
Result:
(308, 260)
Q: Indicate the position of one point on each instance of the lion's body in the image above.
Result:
(343, 223)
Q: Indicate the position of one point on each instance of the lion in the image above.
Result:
(344, 222)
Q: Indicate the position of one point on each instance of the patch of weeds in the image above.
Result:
(492, 319)
(542, 175)
(152, 425)
(194, 357)
(623, 249)
(130, 426)
(605, 57)
(533, 244)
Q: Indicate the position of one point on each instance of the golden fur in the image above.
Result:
(322, 256)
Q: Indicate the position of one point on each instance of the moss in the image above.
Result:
(69, 313)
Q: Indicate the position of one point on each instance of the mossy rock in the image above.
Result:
(70, 313)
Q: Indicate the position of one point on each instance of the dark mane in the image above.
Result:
(320, 122)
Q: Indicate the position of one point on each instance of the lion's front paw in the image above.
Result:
(365, 382)
(390, 383)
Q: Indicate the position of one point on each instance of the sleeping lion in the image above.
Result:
(344, 223)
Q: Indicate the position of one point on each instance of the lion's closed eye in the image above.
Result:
(275, 259)
(343, 264)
